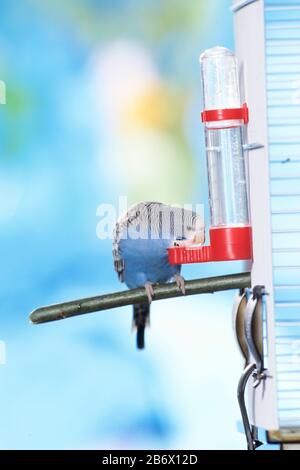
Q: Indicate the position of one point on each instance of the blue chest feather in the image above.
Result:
(146, 260)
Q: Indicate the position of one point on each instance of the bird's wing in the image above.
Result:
(119, 263)
(138, 213)
(122, 224)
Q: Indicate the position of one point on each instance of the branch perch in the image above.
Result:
(134, 296)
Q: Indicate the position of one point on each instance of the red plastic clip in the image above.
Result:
(230, 114)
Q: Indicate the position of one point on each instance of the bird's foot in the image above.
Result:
(180, 282)
(149, 291)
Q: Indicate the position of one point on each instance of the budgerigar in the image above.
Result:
(140, 243)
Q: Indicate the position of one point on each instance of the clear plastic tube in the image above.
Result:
(224, 150)
(220, 82)
(226, 177)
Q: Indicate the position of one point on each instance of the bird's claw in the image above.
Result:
(180, 282)
(149, 291)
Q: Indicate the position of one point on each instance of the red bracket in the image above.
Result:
(230, 114)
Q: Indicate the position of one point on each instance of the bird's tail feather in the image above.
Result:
(141, 316)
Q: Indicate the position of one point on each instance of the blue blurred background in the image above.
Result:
(103, 100)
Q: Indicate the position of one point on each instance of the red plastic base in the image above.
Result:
(226, 244)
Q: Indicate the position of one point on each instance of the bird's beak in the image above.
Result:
(199, 237)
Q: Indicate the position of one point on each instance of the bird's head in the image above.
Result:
(192, 231)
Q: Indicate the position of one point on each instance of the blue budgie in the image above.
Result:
(140, 242)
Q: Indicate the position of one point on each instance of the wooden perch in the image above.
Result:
(134, 296)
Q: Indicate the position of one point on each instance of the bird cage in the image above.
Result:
(267, 37)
